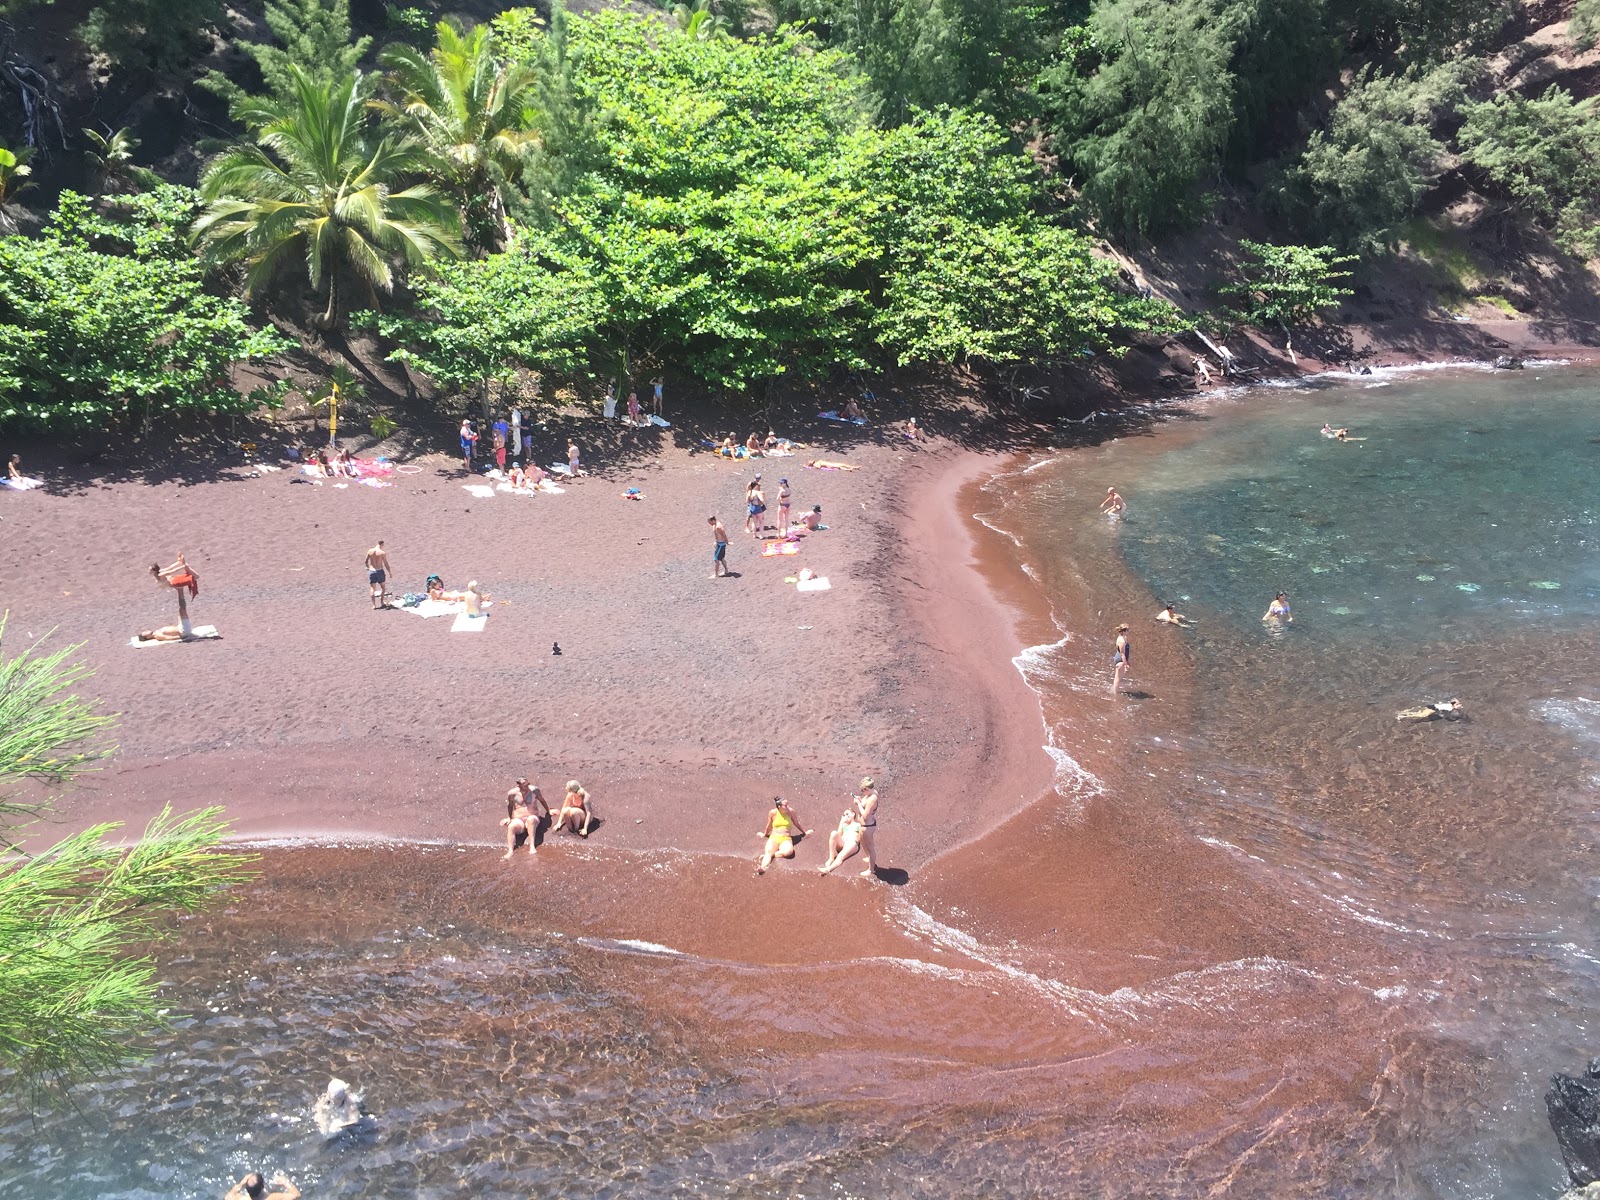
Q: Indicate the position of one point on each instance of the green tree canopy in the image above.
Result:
(75, 985)
(317, 189)
(313, 35)
(1287, 285)
(108, 320)
(475, 117)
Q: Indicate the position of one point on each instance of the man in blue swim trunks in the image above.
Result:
(719, 556)
(378, 575)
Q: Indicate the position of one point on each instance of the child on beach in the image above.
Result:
(574, 464)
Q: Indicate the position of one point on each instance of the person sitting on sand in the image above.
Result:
(575, 815)
(526, 810)
(516, 478)
(14, 470)
(843, 842)
(852, 411)
(781, 830)
(771, 443)
(824, 464)
(913, 431)
(1171, 616)
(476, 598)
(1437, 711)
(1279, 610)
(752, 446)
(437, 591)
(813, 519)
(254, 1187)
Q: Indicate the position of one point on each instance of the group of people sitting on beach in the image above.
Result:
(527, 811)
(772, 446)
(855, 832)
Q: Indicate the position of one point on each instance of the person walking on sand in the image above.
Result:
(378, 575)
(575, 815)
(866, 806)
(1279, 611)
(785, 498)
(782, 829)
(719, 551)
(1113, 504)
(526, 811)
(180, 577)
(1121, 660)
(574, 462)
(469, 440)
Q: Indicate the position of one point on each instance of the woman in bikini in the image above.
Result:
(1121, 660)
(755, 503)
(843, 842)
(1279, 610)
(866, 805)
(180, 577)
(781, 830)
(575, 816)
(525, 811)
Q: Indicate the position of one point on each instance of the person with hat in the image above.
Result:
(813, 519)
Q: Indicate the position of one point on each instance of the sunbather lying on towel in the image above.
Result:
(167, 633)
(828, 465)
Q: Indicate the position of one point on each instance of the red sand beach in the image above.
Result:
(683, 703)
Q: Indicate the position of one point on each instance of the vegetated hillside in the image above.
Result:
(742, 193)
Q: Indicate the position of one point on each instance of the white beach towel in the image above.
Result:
(480, 490)
(661, 421)
(441, 608)
(22, 485)
(201, 632)
(467, 623)
(818, 583)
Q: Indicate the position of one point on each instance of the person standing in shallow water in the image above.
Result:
(1121, 660)
(1113, 505)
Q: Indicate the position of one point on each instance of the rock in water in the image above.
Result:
(1507, 362)
(1574, 1108)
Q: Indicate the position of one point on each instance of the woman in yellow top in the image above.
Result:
(782, 829)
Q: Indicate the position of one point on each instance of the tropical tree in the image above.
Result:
(111, 158)
(475, 116)
(701, 21)
(106, 320)
(14, 172)
(313, 35)
(318, 188)
(74, 918)
(1286, 285)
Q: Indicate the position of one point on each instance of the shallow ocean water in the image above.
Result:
(1447, 873)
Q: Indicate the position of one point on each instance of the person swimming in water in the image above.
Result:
(1439, 710)
(254, 1187)
(1279, 610)
(1171, 616)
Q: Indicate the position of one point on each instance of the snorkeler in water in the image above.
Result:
(1439, 710)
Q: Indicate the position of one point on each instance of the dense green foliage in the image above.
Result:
(1584, 28)
(106, 320)
(313, 35)
(1545, 153)
(75, 917)
(1286, 285)
(1366, 173)
(317, 189)
(473, 115)
(739, 216)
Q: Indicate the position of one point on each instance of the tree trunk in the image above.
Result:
(330, 318)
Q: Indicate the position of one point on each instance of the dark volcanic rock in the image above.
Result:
(1507, 363)
(1574, 1108)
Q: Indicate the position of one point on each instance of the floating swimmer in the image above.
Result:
(1439, 710)
(337, 1109)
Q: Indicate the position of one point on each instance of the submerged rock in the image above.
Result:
(1573, 1104)
(1508, 362)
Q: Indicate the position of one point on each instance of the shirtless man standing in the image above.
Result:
(719, 555)
(378, 575)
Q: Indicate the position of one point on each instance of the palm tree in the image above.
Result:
(700, 21)
(318, 186)
(476, 116)
(14, 172)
